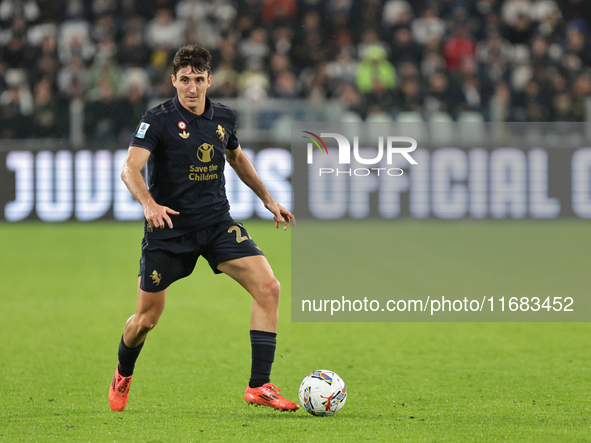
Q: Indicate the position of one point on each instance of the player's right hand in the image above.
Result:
(157, 216)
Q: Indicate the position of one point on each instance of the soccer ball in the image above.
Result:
(323, 392)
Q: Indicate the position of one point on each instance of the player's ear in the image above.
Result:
(173, 79)
(209, 81)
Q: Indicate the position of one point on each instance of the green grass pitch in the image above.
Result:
(67, 290)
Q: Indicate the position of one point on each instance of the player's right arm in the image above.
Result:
(131, 174)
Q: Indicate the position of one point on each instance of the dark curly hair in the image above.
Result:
(194, 56)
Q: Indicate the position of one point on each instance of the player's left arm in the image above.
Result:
(247, 173)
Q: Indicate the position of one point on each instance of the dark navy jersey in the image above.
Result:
(186, 164)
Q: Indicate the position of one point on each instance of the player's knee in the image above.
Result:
(146, 324)
(269, 291)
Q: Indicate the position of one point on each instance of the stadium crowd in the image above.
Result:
(105, 60)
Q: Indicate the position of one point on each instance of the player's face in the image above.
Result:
(191, 86)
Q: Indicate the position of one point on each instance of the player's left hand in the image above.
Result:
(281, 215)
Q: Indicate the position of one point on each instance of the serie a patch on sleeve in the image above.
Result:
(141, 132)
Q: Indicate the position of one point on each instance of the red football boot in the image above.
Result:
(119, 391)
(268, 395)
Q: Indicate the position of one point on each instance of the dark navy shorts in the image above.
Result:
(165, 261)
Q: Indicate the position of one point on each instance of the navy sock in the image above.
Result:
(263, 353)
(127, 358)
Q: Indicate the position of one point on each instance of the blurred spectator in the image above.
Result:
(48, 116)
(102, 7)
(132, 51)
(562, 108)
(351, 99)
(520, 30)
(253, 83)
(104, 68)
(397, 13)
(74, 40)
(15, 124)
(16, 105)
(283, 40)
(310, 53)
(370, 14)
(540, 55)
(580, 93)
(500, 109)
(574, 9)
(104, 27)
(227, 54)
(254, 49)
(76, 10)
(317, 84)
(133, 107)
(311, 24)
(279, 10)
(48, 12)
(409, 97)
(15, 53)
(458, 47)
(427, 27)
(443, 95)
(285, 86)
(343, 68)
(278, 64)
(76, 72)
(404, 49)
(163, 31)
(104, 115)
(375, 71)
(432, 62)
(549, 18)
(370, 38)
(576, 42)
(225, 82)
(45, 61)
(534, 103)
(26, 9)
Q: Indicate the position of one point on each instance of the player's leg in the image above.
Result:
(256, 276)
(149, 308)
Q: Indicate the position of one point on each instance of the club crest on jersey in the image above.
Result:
(182, 125)
(205, 152)
(156, 277)
(184, 134)
(221, 132)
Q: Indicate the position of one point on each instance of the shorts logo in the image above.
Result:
(221, 132)
(205, 152)
(141, 132)
(156, 277)
(182, 125)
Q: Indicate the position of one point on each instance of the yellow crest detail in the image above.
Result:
(205, 152)
(156, 277)
(184, 134)
(221, 132)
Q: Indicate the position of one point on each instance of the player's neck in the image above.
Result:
(198, 110)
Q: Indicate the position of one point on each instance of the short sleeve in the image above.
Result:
(233, 142)
(146, 134)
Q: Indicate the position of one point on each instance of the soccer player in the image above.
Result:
(183, 142)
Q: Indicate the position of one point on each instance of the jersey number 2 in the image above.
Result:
(239, 238)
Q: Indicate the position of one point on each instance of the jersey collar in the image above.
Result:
(188, 115)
